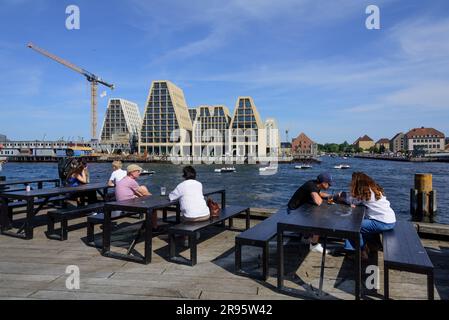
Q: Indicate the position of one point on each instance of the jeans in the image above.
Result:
(369, 229)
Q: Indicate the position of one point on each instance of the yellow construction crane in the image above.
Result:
(92, 78)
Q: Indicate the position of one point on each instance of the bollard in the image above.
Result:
(423, 201)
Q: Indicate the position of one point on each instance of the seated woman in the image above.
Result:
(191, 198)
(80, 176)
(379, 216)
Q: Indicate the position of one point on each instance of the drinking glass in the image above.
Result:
(163, 191)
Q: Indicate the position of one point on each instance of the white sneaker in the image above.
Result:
(317, 248)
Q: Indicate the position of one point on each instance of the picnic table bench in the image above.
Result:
(191, 228)
(258, 236)
(404, 251)
(65, 214)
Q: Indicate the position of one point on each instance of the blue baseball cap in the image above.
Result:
(325, 177)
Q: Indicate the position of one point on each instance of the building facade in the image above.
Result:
(248, 136)
(286, 149)
(424, 140)
(211, 130)
(365, 143)
(397, 143)
(122, 122)
(304, 146)
(273, 137)
(383, 145)
(167, 126)
(192, 114)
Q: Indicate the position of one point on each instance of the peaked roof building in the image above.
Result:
(248, 136)
(122, 122)
(167, 123)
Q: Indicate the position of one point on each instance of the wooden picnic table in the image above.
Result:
(46, 195)
(145, 205)
(326, 220)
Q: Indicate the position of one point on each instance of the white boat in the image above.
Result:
(147, 173)
(226, 169)
(269, 168)
(342, 166)
(304, 166)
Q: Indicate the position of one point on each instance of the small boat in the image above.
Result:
(225, 170)
(269, 168)
(304, 166)
(345, 158)
(342, 166)
(147, 173)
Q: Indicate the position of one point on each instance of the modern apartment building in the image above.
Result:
(121, 123)
(428, 140)
(192, 114)
(248, 136)
(167, 123)
(364, 143)
(397, 143)
(304, 146)
(210, 130)
(383, 144)
(273, 137)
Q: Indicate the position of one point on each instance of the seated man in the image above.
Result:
(128, 188)
(310, 192)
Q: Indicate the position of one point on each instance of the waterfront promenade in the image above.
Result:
(36, 270)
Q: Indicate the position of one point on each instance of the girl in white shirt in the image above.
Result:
(191, 198)
(379, 216)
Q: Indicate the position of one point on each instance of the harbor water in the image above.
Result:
(248, 187)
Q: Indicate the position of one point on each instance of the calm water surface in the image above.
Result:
(248, 187)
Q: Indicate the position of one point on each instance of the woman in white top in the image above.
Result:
(379, 216)
(191, 198)
(117, 174)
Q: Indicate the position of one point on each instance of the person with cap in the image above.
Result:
(117, 173)
(128, 188)
(311, 192)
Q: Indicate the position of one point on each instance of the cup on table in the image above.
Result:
(28, 188)
(163, 191)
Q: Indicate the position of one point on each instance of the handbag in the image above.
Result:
(214, 208)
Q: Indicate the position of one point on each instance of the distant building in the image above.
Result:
(192, 114)
(167, 123)
(273, 138)
(3, 138)
(210, 128)
(304, 146)
(427, 140)
(248, 137)
(286, 149)
(364, 143)
(397, 143)
(122, 122)
(384, 144)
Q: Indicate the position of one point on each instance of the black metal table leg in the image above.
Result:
(248, 219)
(107, 231)
(358, 268)
(238, 257)
(4, 218)
(280, 244)
(386, 283)
(430, 291)
(29, 219)
(148, 236)
(192, 244)
(323, 262)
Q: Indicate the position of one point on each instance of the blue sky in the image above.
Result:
(310, 64)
